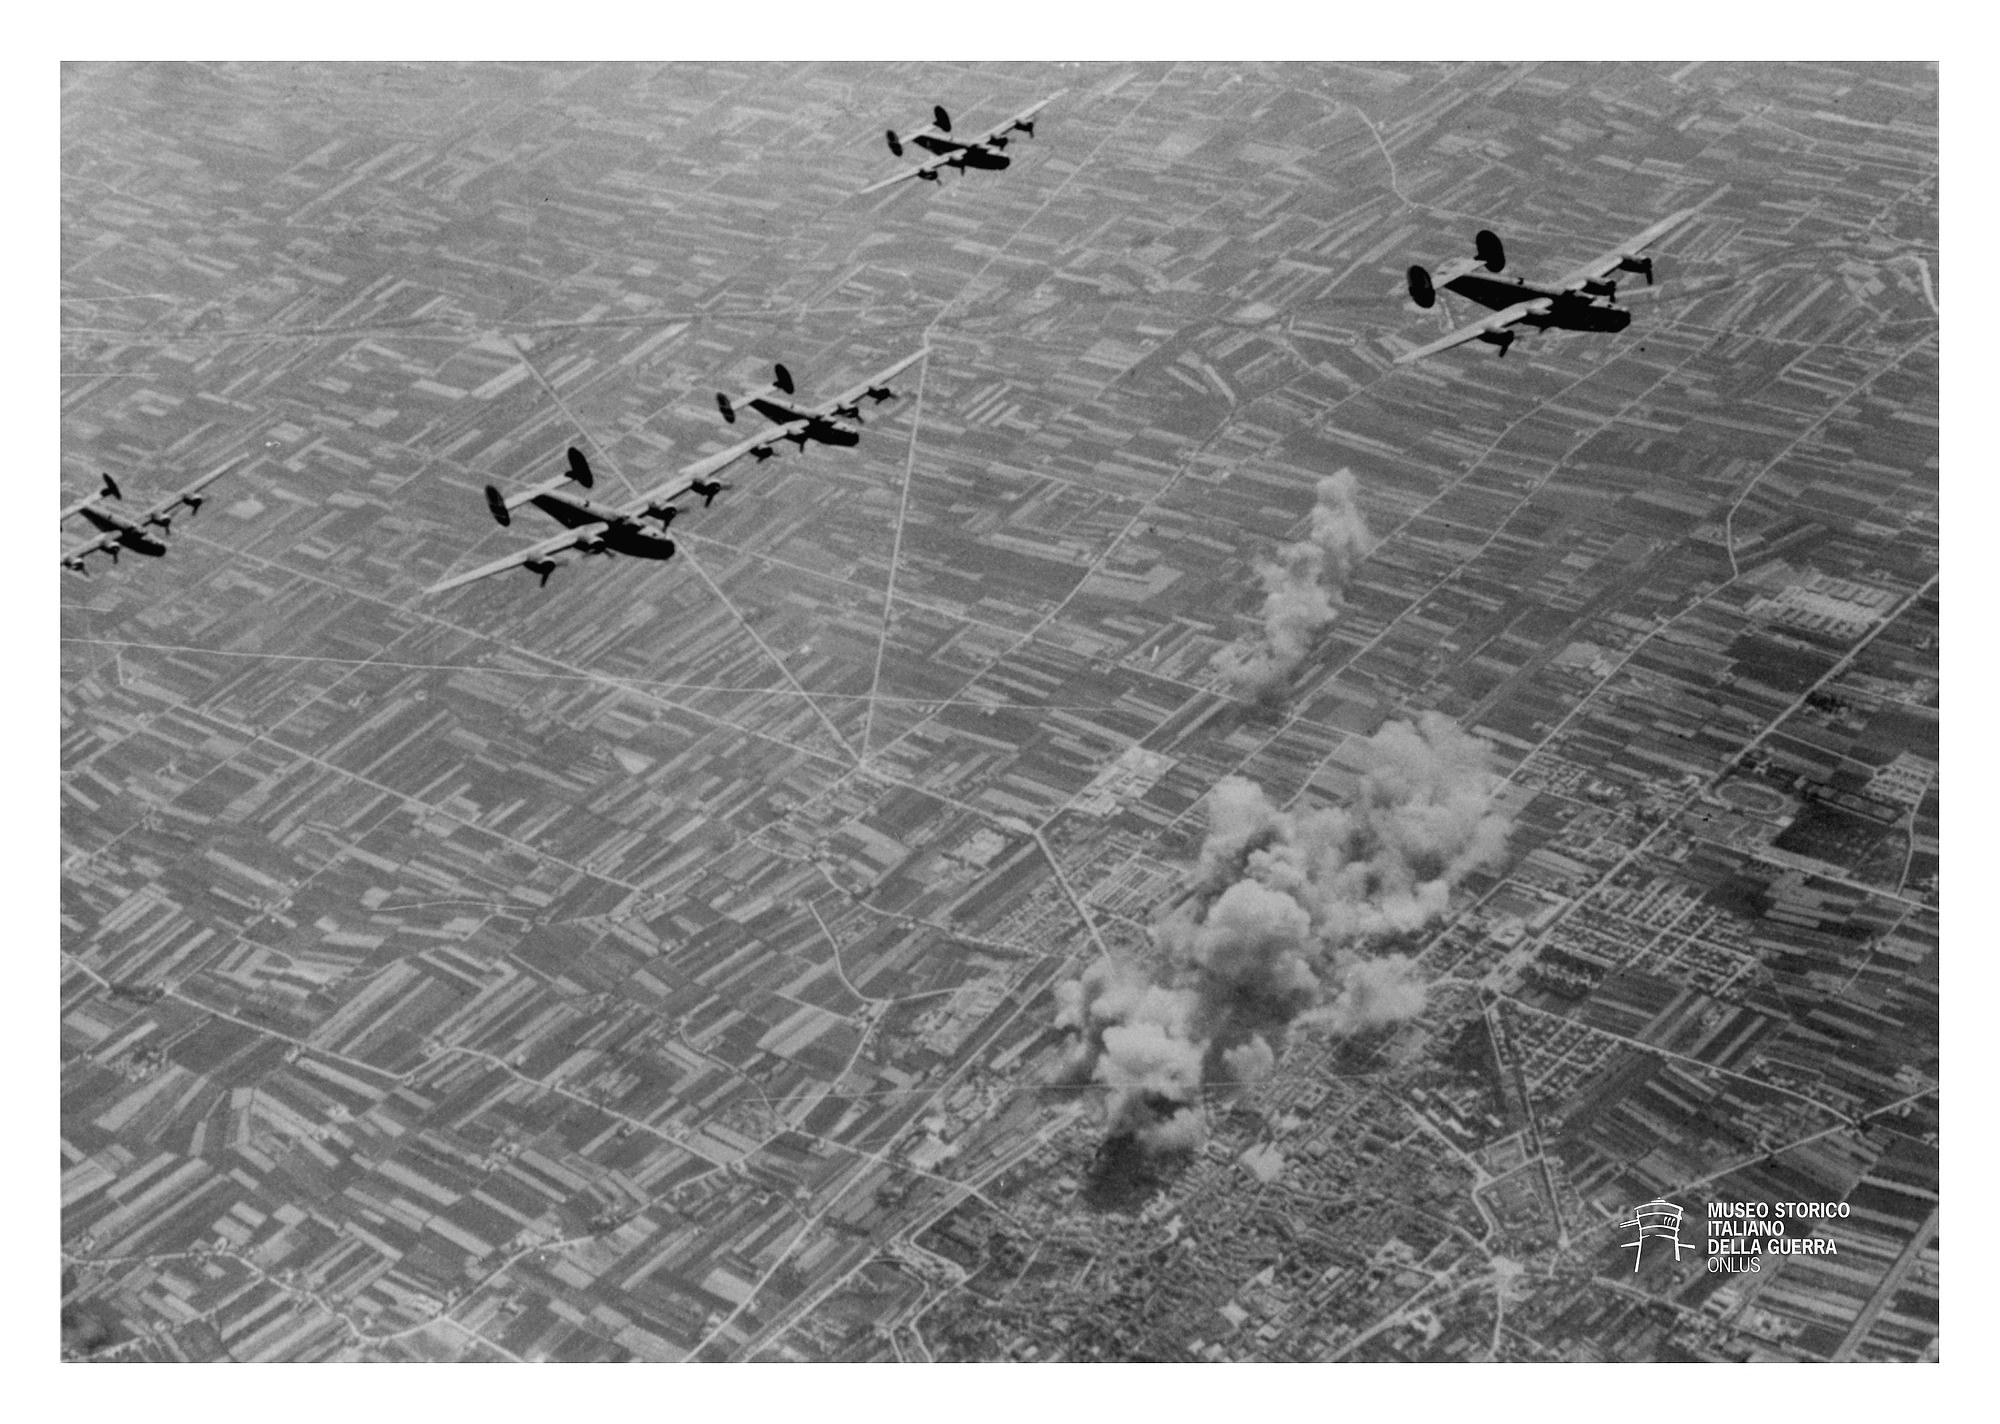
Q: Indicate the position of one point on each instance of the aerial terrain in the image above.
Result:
(1190, 841)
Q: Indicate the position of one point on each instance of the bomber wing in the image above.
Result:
(186, 496)
(849, 397)
(1485, 326)
(709, 464)
(1599, 268)
(1021, 118)
(568, 539)
(78, 557)
(928, 166)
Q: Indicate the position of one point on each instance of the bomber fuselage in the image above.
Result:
(976, 155)
(1568, 311)
(131, 533)
(622, 535)
(825, 429)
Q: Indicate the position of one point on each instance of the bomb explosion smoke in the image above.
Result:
(1302, 587)
(1274, 932)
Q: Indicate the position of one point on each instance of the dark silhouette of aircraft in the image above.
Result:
(118, 530)
(838, 422)
(1585, 299)
(592, 528)
(982, 152)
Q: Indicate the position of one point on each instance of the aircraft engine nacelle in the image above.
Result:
(1026, 126)
(1596, 288)
(663, 512)
(895, 144)
(762, 452)
(1486, 246)
(1502, 339)
(497, 506)
(1421, 290)
(1641, 265)
(542, 568)
(722, 404)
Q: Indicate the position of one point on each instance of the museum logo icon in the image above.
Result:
(1657, 1218)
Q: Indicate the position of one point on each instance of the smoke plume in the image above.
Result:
(1274, 931)
(1302, 587)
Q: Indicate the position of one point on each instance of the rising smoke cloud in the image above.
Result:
(1275, 929)
(1302, 588)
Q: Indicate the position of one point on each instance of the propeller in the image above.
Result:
(762, 452)
(544, 567)
(663, 512)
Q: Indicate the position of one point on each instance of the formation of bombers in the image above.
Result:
(1585, 299)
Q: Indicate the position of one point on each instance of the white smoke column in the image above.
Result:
(1274, 931)
(1302, 588)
